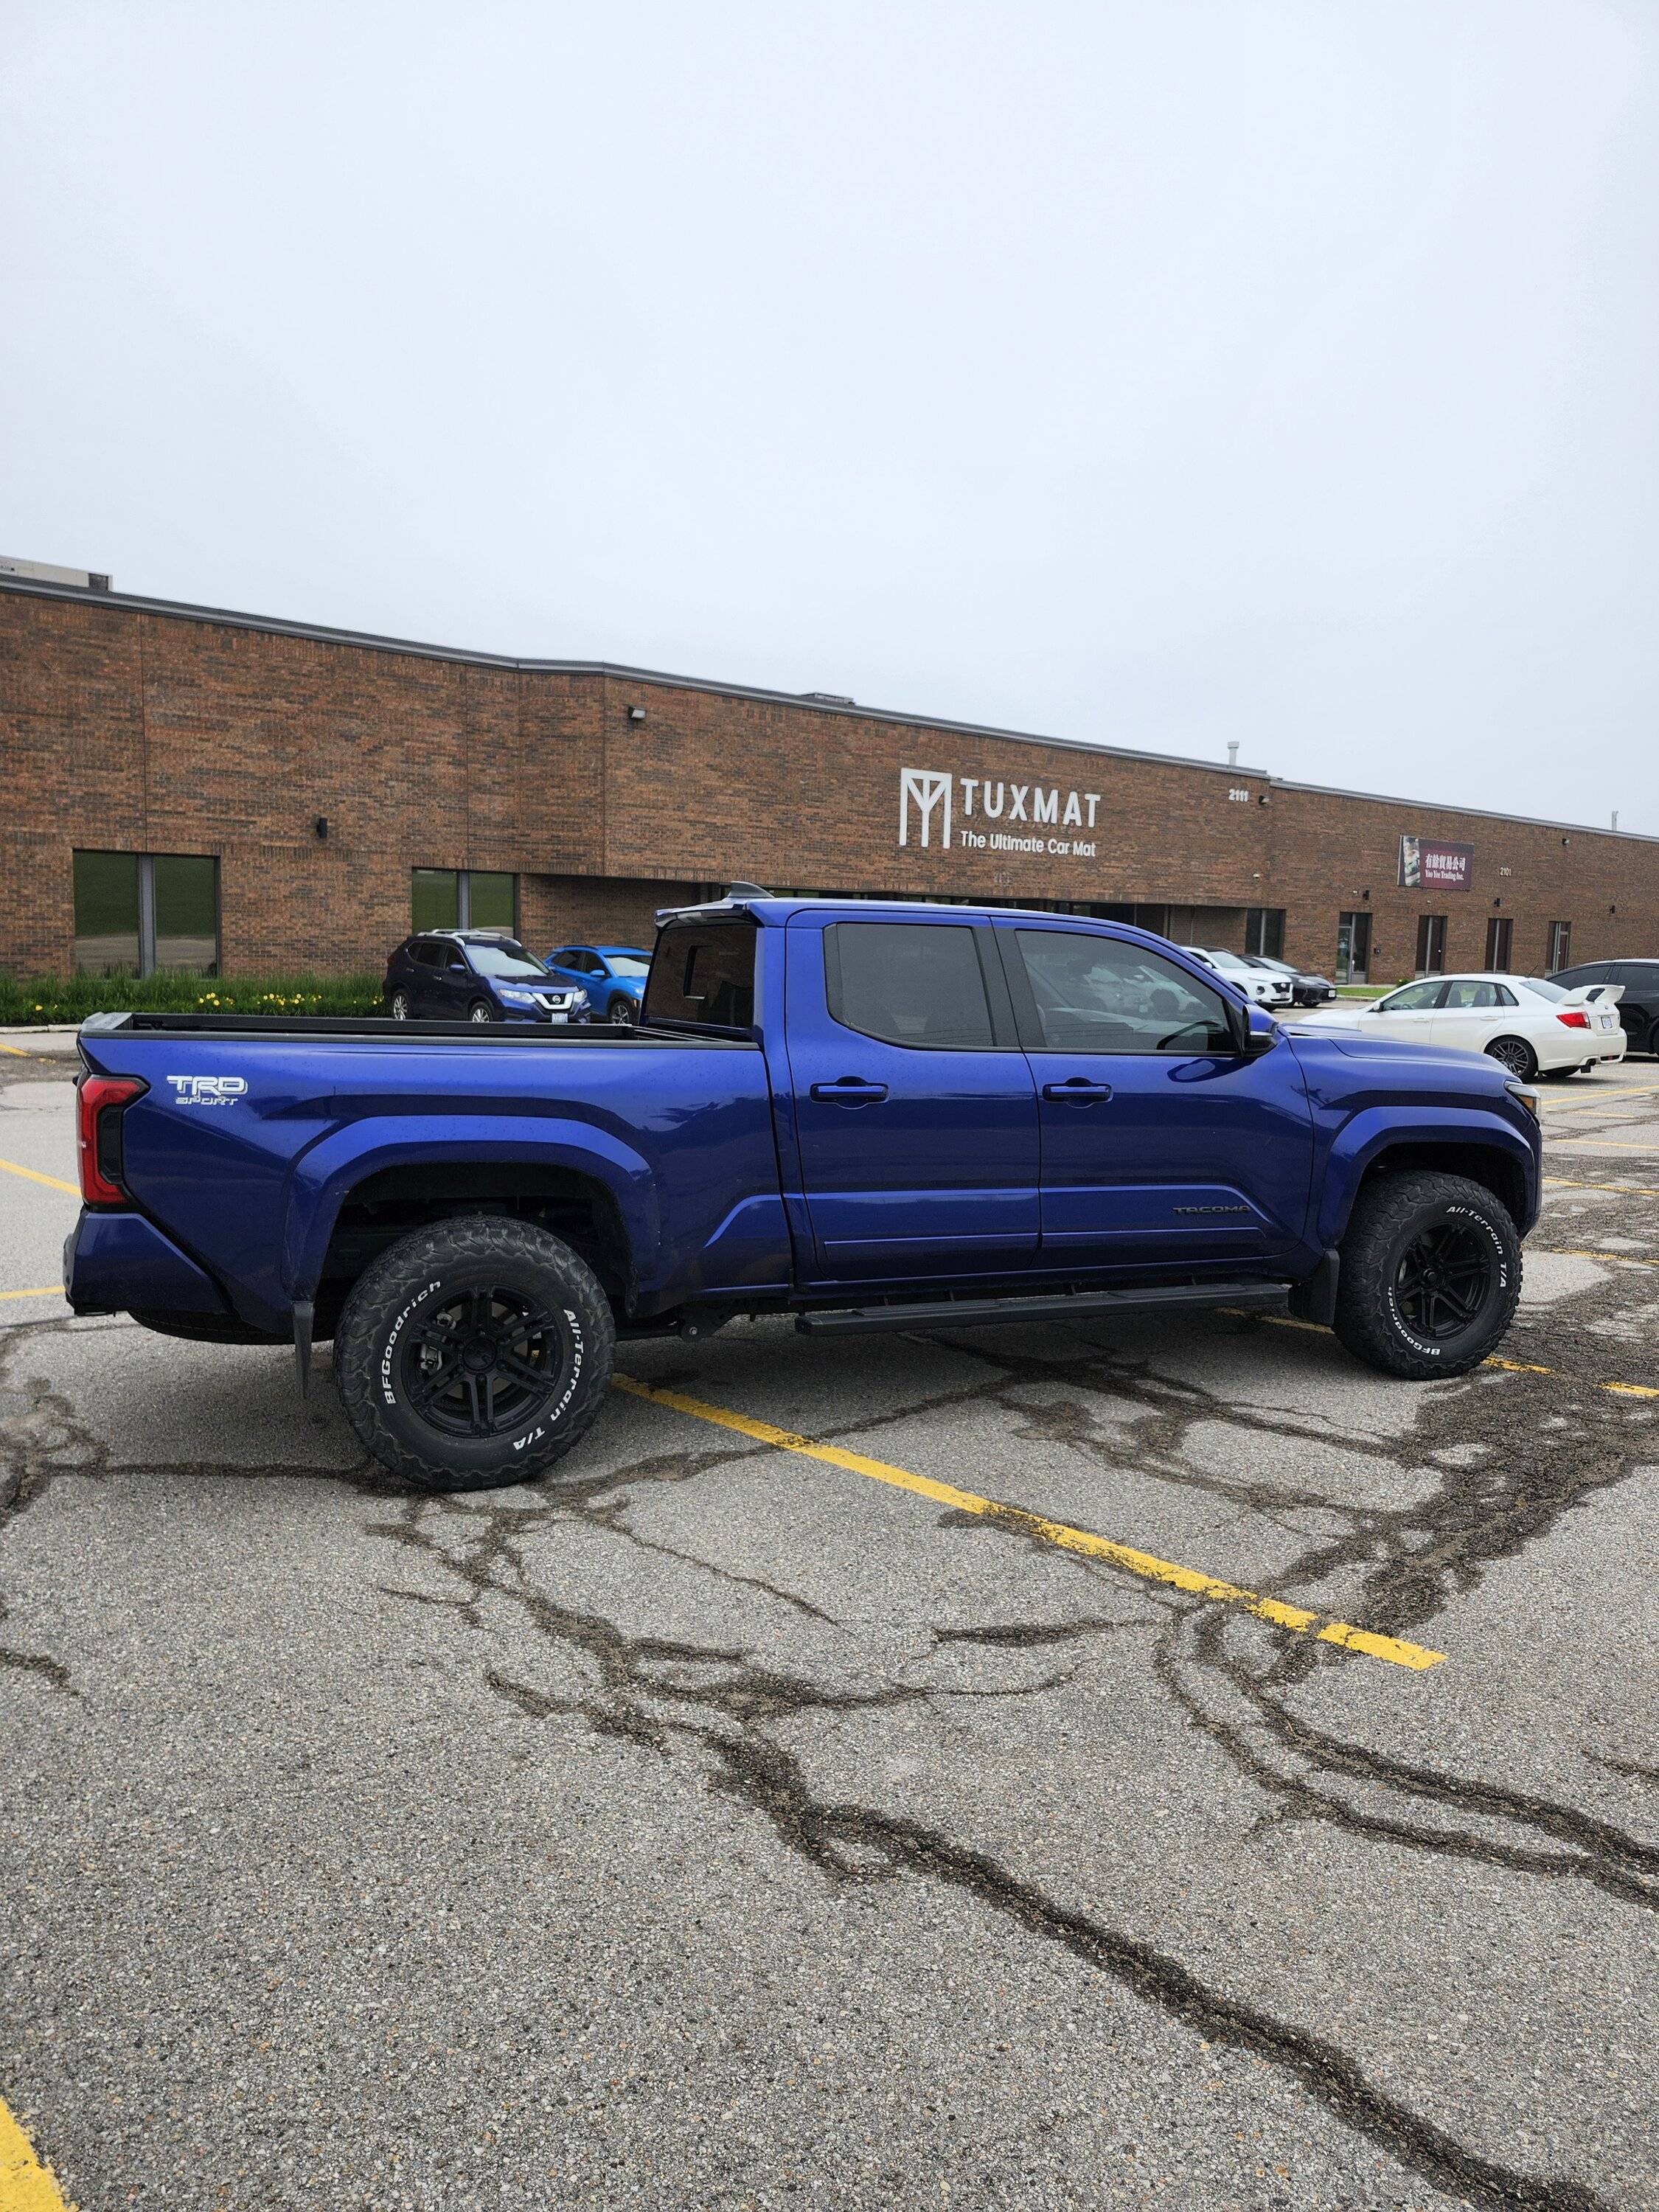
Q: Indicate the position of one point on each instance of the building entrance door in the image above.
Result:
(1354, 946)
(1430, 943)
(1499, 931)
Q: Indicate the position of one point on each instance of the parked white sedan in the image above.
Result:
(1529, 1025)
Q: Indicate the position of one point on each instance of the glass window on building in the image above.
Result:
(463, 898)
(1430, 943)
(143, 912)
(1353, 946)
(107, 913)
(1559, 952)
(1500, 932)
(184, 889)
(1264, 931)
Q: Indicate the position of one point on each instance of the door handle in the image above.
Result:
(849, 1090)
(1077, 1091)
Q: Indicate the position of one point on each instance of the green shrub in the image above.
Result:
(72, 998)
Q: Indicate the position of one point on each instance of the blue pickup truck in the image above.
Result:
(867, 1115)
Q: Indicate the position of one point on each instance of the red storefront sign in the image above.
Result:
(1427, 864)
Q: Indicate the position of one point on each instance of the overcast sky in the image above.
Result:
(1276, 370)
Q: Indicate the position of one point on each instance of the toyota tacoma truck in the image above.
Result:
(867, 1115)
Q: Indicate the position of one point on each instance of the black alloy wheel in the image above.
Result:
(1515, 1053)
(1443, 1279)
(1430, 1273)
(474, 1353)
(484, 1362)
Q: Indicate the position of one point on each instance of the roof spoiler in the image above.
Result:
(737, 894)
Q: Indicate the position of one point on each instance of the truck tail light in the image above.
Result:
(1577, 1019)
(100, 1100)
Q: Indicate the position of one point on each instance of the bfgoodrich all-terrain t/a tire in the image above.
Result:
(473, 1353)
(1430, 1277)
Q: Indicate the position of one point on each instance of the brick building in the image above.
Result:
(190, 787)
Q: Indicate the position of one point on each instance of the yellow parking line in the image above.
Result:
(17, 1051)
(1020, 1523)
(1591, 1252)
(1510, 1366)
(1608, 1144)
(53, 1292)
(33, 1175)
(1562, 1183)
(1603, 1097)
(26, 2185)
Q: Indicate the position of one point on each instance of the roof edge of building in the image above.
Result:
(277, 626)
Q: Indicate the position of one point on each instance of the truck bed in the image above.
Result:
(381, 1029)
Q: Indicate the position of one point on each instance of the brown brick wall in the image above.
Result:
(148, 730)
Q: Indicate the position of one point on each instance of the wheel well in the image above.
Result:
(1481, 1164)
(377, 1211)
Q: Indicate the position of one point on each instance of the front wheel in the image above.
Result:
(473, 1353)
(1515, 1053)
(624, 1013)
(1430, 1274)
(480, 1010)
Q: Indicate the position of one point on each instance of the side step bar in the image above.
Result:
(1075, 1305)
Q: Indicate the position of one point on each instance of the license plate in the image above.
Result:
(1606, 1021)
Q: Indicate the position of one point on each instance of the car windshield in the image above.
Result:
(1544, 990)
(1225, 960)
(504, 958)
(626, 964)
(1274, 967)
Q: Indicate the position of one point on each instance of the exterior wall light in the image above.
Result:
(320, 825)
(636, 713)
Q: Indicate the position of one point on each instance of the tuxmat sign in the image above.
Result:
(982, 814)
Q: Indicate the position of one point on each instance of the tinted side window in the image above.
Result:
(703, 972)
(1415, 998)
(1593, 971)
(1466, 995)
(429, 954)
(1099, 994)
(916, 983)
(1641, 976)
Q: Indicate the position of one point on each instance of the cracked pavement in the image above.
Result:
(710, 1828)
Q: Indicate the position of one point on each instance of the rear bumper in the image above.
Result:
(115, 1262)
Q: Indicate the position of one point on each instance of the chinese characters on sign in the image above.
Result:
(1427, 864)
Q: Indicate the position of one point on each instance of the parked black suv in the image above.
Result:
(1638, 1009)
(475, 975)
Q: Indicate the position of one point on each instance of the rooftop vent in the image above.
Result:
(831, 698)
(43, 571)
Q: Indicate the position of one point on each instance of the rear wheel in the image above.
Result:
(1430, 1274)
(398, 1007)
(1653, 1040)
(1515, 1053)
(473, 1353)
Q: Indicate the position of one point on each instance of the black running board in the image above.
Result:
(1075, 1305)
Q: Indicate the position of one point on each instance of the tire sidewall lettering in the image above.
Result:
(1496, 1293)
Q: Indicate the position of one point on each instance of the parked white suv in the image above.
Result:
(1265, 985)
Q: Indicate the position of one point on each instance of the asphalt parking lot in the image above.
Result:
(931, 1818)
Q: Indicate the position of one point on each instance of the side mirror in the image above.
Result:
(1256, 1042)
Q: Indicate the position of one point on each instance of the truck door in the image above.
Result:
(1161, 1142)
(915, 1107)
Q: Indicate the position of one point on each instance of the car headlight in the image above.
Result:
(1527, 1096)
(518, 998)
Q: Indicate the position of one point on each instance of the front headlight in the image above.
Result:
(1527, 1096)
(518, 998)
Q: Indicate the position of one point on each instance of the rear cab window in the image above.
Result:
(910, 983)
(702, 977)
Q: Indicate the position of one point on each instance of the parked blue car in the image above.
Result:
(613, 976)
(476, 976)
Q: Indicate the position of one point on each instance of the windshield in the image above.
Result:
(626, 964)
(505, 958)
(1544, 990)
(1225, 960)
